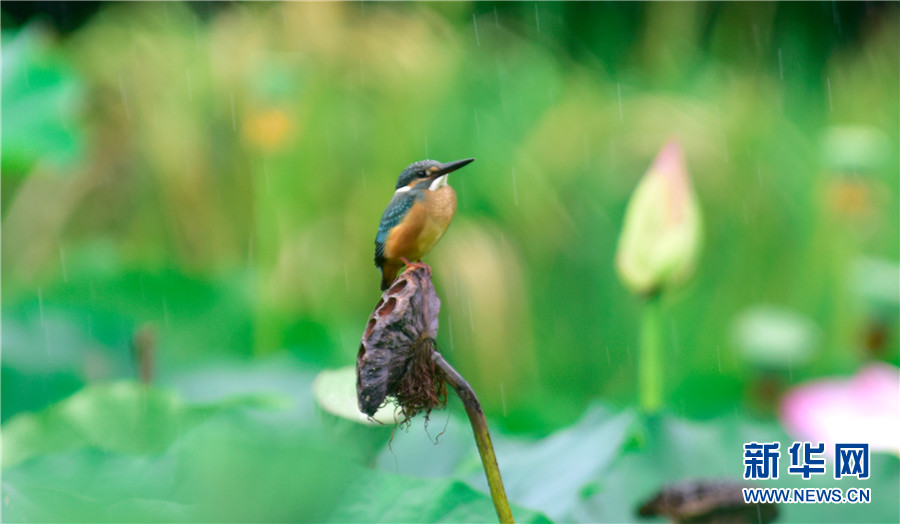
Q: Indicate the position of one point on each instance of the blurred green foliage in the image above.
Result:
(217, 176)
(41, 101)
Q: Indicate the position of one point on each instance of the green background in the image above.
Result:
(213, 175)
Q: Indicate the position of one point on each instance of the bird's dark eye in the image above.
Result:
(422, 174)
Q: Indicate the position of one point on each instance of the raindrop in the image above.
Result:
(719, 357)
(837, 19)
(501, 76)
(124, 100)
(450, 330)
(537, 17)
(830, 104)
(780, 66)
(758, 173)
(475, 23)
(362, 175)
(724, 140)
(233, 119)
(346, 276)
(756, 38)
(328, 148)
(503, 398)
(190, 88)
(266, 176)
(515, 191)
(675, 346)
(477, 126)
(746, 220)
(496, 18)
(471, 317)
(43, 324)
(587, 154)
(40, 305)
(426, 147)
(608, 357)
(619, 92)
(165, 312)
(196, 39)
(461, 193)
(62, 264)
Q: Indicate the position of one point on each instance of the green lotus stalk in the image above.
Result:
(482, 437)
(650, 362)
(658, 249)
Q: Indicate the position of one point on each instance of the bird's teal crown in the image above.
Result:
(416, 170)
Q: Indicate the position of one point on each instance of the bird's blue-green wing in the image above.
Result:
(398, 207)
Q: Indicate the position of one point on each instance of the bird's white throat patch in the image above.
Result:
(438, 183)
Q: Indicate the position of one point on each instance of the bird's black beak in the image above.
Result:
(449, 167)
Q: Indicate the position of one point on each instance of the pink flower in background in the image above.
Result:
(862, 409)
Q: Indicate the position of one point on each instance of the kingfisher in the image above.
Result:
(416, 217)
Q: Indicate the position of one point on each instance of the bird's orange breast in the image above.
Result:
(423, 226)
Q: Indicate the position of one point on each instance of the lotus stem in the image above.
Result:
(482, 437)
(650, 362)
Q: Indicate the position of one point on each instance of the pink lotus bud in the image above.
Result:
(661, 235)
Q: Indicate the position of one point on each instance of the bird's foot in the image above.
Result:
(413, 265)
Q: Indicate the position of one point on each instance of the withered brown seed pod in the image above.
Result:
(398, 357)
(394, 356)
(707, 501)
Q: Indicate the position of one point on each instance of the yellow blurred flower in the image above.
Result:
(661, 235)
(267, 129)
(847, 197)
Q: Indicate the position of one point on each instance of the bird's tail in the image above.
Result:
(388, 275)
